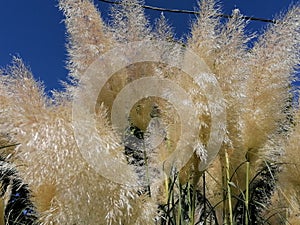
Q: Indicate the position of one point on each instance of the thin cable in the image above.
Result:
(190, 12)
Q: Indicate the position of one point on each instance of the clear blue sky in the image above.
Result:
(33, 29)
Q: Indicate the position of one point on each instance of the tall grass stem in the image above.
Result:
(247, 193)
(228, 187)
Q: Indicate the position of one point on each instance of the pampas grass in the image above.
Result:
(253, 180)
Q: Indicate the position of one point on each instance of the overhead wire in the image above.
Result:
(189, 11)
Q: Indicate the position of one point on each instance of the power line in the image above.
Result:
(190, 12)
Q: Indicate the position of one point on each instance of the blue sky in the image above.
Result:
(34, 30)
